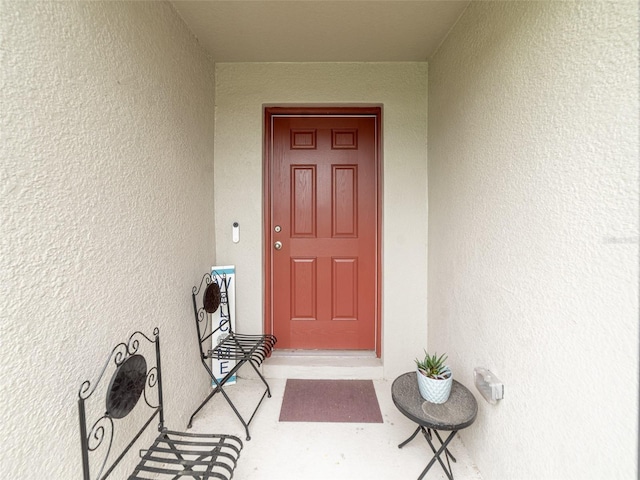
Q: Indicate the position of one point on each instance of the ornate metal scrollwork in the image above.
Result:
(205, 329)
(151, 383)
(128, 382)
(97, 436)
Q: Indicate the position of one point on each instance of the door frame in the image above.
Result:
(271, 111)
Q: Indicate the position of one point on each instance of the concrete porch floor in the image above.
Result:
(327, 451)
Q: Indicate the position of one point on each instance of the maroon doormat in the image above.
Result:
(349, 401)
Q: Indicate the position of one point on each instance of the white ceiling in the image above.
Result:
(320, 30)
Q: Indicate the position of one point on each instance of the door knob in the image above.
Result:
(277, 245)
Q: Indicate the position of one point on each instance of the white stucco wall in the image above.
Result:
(533, 232)
(241, 91)
(106, 178)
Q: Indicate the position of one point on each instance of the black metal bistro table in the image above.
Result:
(458, 412)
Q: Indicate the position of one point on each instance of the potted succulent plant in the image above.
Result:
(434, 378)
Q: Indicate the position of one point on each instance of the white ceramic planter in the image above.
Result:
(434, 391)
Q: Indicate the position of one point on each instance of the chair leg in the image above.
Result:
(215, 390)
(233, 407)
(235, 410)
(255, 367)
(220, 389)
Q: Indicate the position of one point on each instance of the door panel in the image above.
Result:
(324, 199)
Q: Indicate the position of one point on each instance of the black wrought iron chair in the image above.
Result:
(172, 454)
(208, 297)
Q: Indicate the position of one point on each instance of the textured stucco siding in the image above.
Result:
(106, 180)
(533, 231)
(241, 92)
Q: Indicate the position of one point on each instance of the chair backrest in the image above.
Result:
(211, 309)
(136, 373)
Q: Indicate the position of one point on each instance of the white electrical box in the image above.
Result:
(490, 386)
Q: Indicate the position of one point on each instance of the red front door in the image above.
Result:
(323, 231)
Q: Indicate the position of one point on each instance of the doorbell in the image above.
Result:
(235, 232)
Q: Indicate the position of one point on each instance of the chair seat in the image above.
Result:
(189, 455)
(235, 346)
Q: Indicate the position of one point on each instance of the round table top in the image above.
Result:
(458, 412)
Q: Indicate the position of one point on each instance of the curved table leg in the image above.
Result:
(436, 456)
(410, 438)
(448, 452)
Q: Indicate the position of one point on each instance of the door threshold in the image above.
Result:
(323, 353)
(323, 364)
